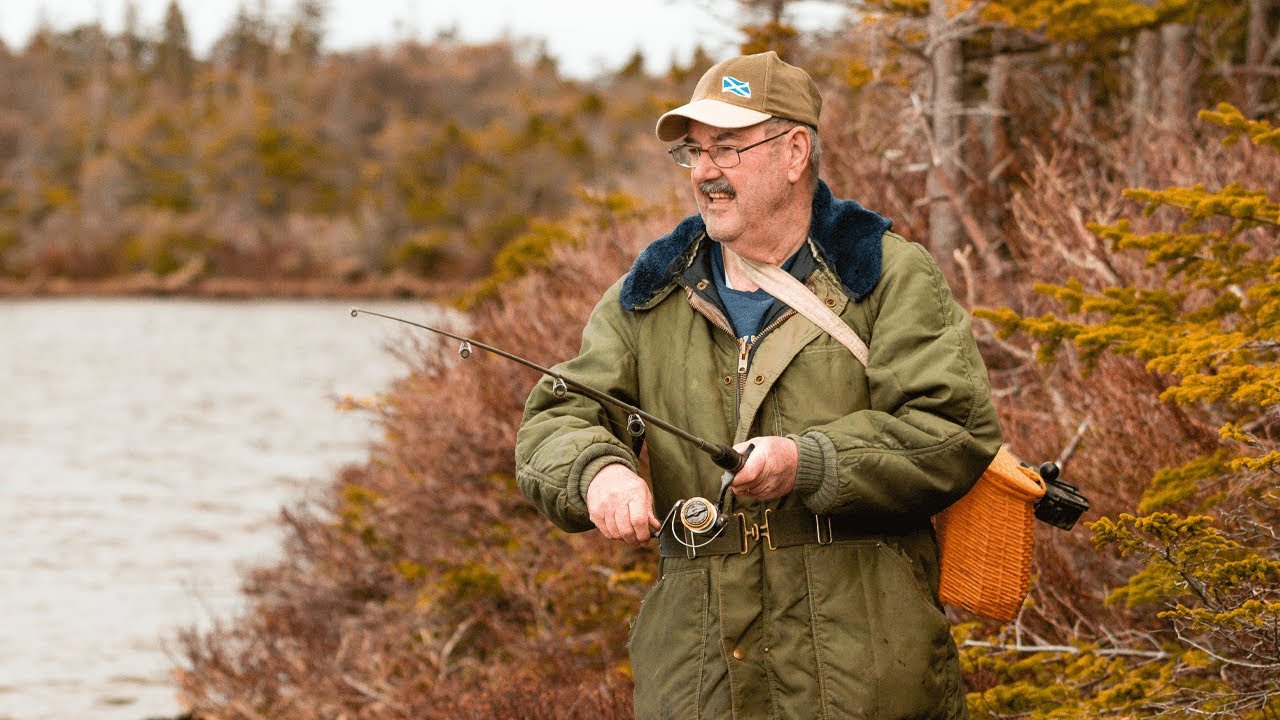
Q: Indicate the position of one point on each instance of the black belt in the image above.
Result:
(778, 529)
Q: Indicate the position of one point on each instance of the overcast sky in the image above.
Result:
(588, 36)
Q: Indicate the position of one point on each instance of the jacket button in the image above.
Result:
(831, 302)
(728, 380)
(739, 653)
(759, 379)
(702, 285)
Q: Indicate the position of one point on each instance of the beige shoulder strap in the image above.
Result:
(780, 284)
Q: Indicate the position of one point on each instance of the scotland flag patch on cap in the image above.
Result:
(733, 85)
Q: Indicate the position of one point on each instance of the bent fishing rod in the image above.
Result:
(722, 455)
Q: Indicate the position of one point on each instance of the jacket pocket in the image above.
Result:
(884, 647)
(666, 647)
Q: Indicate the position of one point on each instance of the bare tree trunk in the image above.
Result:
(944, 175)
(1255, 55)
(776, 8)
(98, 106)
(1178, 75)
(1146, 62)
(996, 142)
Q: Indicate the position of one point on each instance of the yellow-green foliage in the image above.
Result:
(166, 252)
(1230, 117)
(532, 248)
(420, 252)
(8, 240)
(910, 7)
(159, 158)
(528, 251)
(1215, 330)
(1174, 485)
(1083, 20)
(56, 195)
(857, 74)
(767, 36)
(356, 517)
(1070, 683)
(471, 582)
(1178, 552)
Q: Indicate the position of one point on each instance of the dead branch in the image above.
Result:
(1069, 649)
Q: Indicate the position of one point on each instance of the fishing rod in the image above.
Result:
(722, 455)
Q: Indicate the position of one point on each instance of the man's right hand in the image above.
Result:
(621, 505)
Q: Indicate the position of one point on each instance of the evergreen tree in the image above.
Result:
(246, 44)
(306, 34)
(174, 60)
(1208, 532)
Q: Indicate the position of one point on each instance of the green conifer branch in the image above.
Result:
(1215, 330)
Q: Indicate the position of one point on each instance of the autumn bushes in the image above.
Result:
(421, 584)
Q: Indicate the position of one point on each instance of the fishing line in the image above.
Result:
(722, 455)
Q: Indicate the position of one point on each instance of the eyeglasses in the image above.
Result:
(724, 156)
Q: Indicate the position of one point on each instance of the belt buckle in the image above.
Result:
(755, 531)
(764, 530)
(817, 527)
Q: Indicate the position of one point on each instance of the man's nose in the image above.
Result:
(704, 169)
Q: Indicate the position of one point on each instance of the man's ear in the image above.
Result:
(798, 145)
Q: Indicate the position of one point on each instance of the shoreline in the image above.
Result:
(147, 285)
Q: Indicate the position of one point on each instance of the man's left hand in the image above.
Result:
(770, 471)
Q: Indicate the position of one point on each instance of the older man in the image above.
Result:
(818, 597)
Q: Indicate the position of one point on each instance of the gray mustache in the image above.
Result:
(719, 185)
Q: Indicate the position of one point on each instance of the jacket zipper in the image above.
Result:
(744, 354)
(745, 345)
(710, 312)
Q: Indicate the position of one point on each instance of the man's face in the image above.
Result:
(736, 203)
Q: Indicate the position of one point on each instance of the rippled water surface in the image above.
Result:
(146, 447)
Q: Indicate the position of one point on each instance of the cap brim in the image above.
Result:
(675, 124)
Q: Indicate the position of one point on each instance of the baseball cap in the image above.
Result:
(742, 91)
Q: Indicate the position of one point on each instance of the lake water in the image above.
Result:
(146, 447)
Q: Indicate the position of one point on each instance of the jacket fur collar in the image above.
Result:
(847, 234)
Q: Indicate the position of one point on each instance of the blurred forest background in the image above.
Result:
(271, 166)
(1097, 178)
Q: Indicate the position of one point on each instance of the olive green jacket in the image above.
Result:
(851, 629)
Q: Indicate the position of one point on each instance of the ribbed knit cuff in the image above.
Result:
(817, 472)
(809, 469)
(591, 462)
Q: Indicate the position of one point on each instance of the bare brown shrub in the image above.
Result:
(421, 585)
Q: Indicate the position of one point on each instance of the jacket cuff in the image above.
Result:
(591, 461)
(817, 480)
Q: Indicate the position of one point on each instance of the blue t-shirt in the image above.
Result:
(746, 310)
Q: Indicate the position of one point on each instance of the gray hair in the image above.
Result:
(777, 124)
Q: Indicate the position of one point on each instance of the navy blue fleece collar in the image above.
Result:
(847, 234)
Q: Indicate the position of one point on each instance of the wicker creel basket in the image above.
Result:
(985, 538)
